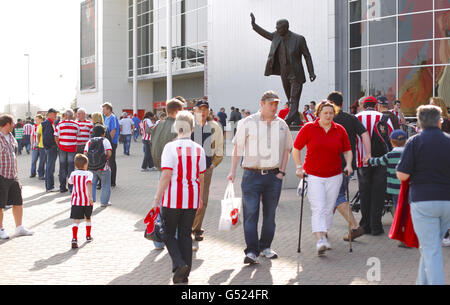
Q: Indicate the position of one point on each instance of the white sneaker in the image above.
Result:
(195, 246)
(326, 243)
(21, 231)
(269, 253)
(3, 234)
(446, 242)
(321, 247)
(251, 259)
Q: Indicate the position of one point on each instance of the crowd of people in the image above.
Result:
(186, 146)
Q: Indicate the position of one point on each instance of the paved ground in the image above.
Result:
(121, 255)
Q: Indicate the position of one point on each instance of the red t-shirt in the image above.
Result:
(323, 150)
(283, 113)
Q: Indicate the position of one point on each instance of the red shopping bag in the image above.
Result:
(402, 228)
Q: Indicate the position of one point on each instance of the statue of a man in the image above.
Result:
(285, 59)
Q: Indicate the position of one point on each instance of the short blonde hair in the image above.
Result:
(97, 118)
(324, 104)
(107, 105)
(184, 122)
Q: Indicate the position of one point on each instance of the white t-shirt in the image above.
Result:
(187, 161)
(127, 126)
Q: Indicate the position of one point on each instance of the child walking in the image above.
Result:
(82, 202)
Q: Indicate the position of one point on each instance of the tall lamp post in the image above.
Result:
(28, 82)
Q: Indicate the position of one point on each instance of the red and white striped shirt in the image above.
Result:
(368, 118)
(34, 136)
(8, 144)
(309, 116)
(67, 132)
(28, 129)
(79, 179)
(146, 136)
(86, 128)
(187, 161)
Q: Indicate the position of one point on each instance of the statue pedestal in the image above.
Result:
(291, 181)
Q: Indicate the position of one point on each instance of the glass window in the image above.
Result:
(383, 31)
(415, 53)
(415, 88)
(415, 27)
(383, 82)
(381, 8)
(358, 85)
(383, 56)
(358, 59)
(358, 34)
(357, 10)
(441, 4)
(442, 24)
(412, 6)
(442, 49)
(442, 85)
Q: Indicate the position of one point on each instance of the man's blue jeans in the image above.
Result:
(38, 154)
(66, 167)
(136, 134)
(105, 178)
(431, 221)
(50, 154)
(126, 143)
(256, 188)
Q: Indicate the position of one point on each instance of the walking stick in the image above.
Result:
(349, 211)
(301, 214)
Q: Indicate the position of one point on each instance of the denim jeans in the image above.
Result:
(50, 159)
(148, 160)
(431, 220)
(66, 167)
(126, 143)
(256, 188)
(136, 134)
(105, 178)
(38, 154)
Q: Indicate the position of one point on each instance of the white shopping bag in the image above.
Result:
(230, 216)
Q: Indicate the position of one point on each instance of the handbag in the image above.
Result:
(402, 228)
(231, 207)
(154, 230)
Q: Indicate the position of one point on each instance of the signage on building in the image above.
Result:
(88, 49)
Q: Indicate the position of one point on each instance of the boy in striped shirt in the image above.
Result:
(82, 202)
(390, 160)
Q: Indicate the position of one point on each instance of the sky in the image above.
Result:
(49, 31)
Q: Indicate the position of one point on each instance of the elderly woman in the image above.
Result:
(425, 162)
(183, 163)
(325, 142)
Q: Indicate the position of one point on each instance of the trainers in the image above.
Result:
(321, 248)
(251, 259)
(21, 231)
(3, 234)
(195, 246)
(153, 169)
(446, 242)
(89, 239)
(269, 253)
(105, 205)
(145, 170)
(326, 243)
(74, 243)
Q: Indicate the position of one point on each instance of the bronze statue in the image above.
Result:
(285, 59)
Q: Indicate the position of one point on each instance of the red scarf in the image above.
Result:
(402, 228)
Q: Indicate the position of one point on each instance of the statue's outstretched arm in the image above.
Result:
(260, 30)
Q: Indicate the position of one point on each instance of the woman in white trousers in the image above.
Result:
(325, 142)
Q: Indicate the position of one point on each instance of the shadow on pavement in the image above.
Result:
(68, 221)
(56, 259)
(220, 277)
(254, 274)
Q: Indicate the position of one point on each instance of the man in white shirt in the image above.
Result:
(126, 131)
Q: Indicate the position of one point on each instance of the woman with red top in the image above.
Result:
(325, 142)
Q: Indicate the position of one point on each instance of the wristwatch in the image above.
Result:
(283, 173)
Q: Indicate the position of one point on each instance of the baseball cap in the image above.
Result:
(399, 135)
(270, 96)
(382, 100)
(370, 99)
(202, 103)
(154, 231)
(52, 110)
